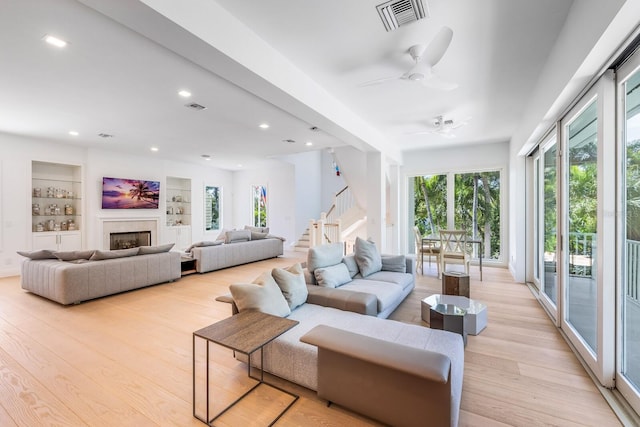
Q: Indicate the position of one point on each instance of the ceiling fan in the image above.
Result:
(443, 126)
(425, 58)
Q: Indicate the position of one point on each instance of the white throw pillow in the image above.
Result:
(292, 284)
(332, 276)
(367, 257)
(263, 295)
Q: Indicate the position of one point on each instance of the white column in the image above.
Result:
(375, 185)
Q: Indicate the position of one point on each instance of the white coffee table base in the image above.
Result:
(475, 319)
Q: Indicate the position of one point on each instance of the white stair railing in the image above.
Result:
(328, 228)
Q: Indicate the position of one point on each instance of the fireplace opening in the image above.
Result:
(128, 240)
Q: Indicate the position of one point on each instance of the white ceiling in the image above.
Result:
(111, 79)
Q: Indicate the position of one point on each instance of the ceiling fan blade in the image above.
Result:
(438, 46)
(379, 81)
(436, 82)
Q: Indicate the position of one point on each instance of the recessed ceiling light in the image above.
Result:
(289, 141)
(184, 93)
(54, 41)
(264, 126)
(73, 133)
(154, 148)
(308, 143)
(239, 165)
(105, 135)
(206, 156)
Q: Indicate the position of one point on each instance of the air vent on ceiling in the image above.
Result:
(396, 13)
(195, 106)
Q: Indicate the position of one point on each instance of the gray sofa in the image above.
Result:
(223, 255)
(74, 281)
(397, 373)
(390, 285)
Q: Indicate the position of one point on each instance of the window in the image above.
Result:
(259, 197)
(212, 211)
(476, 206)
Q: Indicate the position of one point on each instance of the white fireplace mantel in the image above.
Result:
(110, 225)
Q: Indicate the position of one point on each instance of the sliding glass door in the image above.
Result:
(628, 372)
(586, 289)
(546, 232)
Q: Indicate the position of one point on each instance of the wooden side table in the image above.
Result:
(245, 333)
(454, 283)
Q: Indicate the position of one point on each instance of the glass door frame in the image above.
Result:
(627, 70)
(546, 145)
(602, 361)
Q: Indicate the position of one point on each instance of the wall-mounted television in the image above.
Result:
(118, 193)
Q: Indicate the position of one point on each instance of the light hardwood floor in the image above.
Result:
(126, 360)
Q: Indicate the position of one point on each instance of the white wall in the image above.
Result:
(17, 153)
(279, 178)
(101, 163)
(331, 183)
(308, 187)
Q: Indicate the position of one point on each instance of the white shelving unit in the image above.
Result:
(56, 206)
(178, 206)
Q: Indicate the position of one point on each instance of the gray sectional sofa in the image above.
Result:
(238, 248)
(326, 267)
(397, 373)
(80, 278)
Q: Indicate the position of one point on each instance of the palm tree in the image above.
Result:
(141, 191)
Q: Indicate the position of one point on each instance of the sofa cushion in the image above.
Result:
(387, 293)
(222, 235)
(73, 255)
(367, 257)
(403, 279)
(41, 254)
(257, 229)
(396, 263)
(145, 250)
(352, 265)
(120, 253)
(255, 235)
(324, 256)
(204, 244)
(263, 295)
(291, 283)
(332, 276)
(237, 236)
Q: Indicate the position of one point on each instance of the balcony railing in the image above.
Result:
(582, 246)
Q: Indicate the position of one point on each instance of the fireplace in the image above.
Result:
(121, 226)
(129, 239)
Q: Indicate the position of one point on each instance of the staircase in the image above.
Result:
(342, 223)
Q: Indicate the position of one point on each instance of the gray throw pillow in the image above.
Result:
(292, 284)
(324, 256)
(222, 235)
(395, 263)
(367, 257)
(41, 254)
(257, 229)
(263, 295)
(145, 250)
(258, 236)
(332, 276)
(203, 244)
(121, 253)
(352, 265)
(73, 255)
(235, 236)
